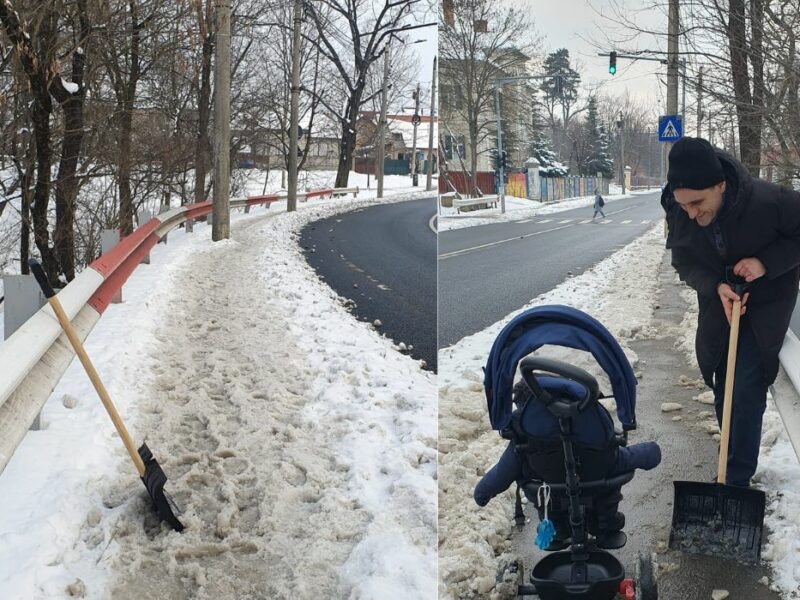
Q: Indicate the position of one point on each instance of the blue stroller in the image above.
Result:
(564, 452)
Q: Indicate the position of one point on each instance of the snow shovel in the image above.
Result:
(150, 471)
(714, 518)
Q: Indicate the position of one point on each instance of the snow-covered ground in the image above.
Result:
(298, 442)
(518, 209)
(620, 292)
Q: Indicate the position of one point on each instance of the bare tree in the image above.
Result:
(482, 43)
(352, 35)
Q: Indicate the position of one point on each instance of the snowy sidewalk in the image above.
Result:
(299, 444)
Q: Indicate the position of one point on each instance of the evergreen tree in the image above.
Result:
(598, 159)
(541, 148)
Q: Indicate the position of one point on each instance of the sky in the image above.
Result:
(590, 29)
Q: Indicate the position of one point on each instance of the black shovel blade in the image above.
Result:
(717, 520)
(154, 480)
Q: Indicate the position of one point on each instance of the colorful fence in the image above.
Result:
(558, 188)
(517, 185)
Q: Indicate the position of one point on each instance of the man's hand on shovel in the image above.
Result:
(728, 297)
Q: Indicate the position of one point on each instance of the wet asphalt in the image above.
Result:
(489, 271)
(383, 258)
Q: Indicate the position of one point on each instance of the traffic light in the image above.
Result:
(612, 63)
(504, 159)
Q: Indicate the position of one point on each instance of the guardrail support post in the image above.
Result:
(143, 217)
(108, 239)
(23, 298)
(189, 224)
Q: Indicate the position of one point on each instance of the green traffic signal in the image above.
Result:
(612, 63)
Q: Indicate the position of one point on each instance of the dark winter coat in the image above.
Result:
(760, 220)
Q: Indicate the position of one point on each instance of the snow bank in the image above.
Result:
(620, 291)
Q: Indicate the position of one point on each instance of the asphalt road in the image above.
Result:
(489, 271)
(389, 253)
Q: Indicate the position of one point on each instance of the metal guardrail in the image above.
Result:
(35, 356)
(789, 404)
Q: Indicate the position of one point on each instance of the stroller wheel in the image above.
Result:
(645, 578)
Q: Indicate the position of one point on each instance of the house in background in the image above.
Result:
(516, 106)
(399, 142)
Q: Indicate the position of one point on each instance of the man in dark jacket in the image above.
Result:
(719, 216)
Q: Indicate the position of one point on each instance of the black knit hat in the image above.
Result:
(693, 164)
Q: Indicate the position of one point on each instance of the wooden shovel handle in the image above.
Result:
(727, 404)
(98, 385)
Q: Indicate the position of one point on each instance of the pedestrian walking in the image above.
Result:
(719, 217)
(599, 203)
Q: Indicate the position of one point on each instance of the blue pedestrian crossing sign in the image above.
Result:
(670, 128)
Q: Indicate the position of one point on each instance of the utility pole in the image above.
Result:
(221, 223)
(500, 166)
(291, 195)
(382, 122)
(415, 122)
(429, 182)
(620, 128)
(700, 103)
(672, 65)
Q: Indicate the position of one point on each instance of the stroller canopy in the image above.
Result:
(559, 326)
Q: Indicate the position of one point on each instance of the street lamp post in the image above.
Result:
(621, 152)
(415, 121)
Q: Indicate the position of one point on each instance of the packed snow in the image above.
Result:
(298, 442)
(518, 209)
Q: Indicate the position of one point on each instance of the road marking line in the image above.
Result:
(565, 221)
(626, 222)
(497, 243)
(525, 221)
(645, 222)
(545, 221)
(584, 221)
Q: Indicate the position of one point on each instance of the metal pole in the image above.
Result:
(221, 224)
(382, 123)
(683, 101)
(429, 182)
(700, 103)
(621, 154)
(672, 65)
(501, 186)
(414, 179)
(291, 194)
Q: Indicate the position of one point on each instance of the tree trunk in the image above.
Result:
(124, 172)
(41, 111)
(126, 94)
(347, 144)
(748, 116)
(66, 182)
(203, 151)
